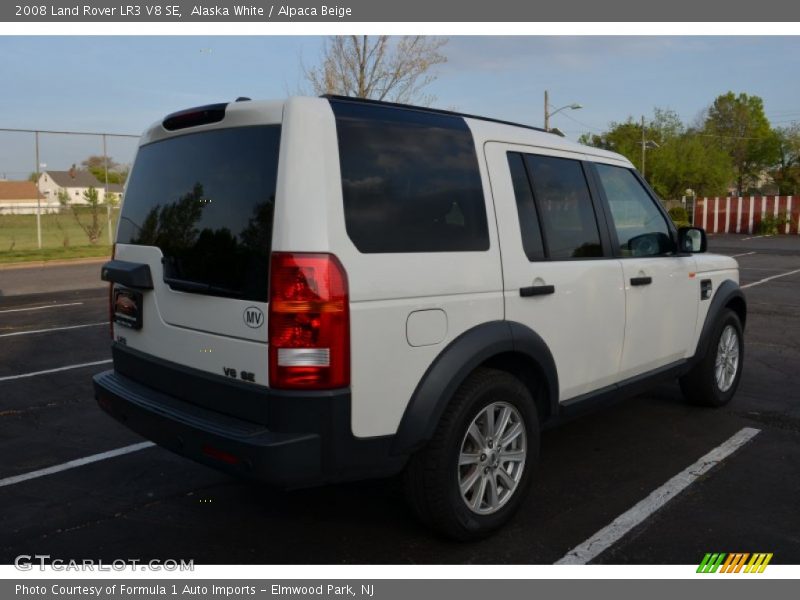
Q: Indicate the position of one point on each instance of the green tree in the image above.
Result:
(96, 165)
(787, 170)
(681, 160)
(94, 227)
(737, 124)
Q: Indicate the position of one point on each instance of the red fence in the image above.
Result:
(743, 214)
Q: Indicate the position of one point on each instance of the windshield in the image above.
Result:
(207, 201)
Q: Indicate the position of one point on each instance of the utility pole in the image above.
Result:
(108, 204)
(38, 198)
(546, 112)
(644, 147)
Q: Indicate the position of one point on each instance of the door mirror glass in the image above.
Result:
(649, 244)
(692, 239)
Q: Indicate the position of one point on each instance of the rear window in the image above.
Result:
(410, 180)
(207, 201)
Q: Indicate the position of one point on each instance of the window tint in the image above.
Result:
(206, 200)
(410, 180)
(528, 220)
(565, 207)
(641, 228)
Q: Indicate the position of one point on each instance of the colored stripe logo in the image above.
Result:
(735, 562)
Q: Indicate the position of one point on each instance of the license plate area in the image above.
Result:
(127, 308)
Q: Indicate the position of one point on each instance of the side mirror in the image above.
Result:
(692, 239)
(650, 244)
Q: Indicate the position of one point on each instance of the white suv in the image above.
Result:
(322, 289)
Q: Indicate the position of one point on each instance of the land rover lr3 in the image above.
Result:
(322, 289)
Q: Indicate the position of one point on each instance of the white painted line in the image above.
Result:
(2, 335)
(788, 214)
(716, 214)
(10, 310)
(766, 279)
(727, 214)
(78, 462)
(751, 215)
(56, 370)
(739, 215)
(755, 237)
(612, 533)
(743, 254)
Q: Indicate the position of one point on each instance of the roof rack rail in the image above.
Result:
(437, 111)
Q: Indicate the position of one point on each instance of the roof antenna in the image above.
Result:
(243, 99)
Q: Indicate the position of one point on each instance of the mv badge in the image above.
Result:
(253, 317)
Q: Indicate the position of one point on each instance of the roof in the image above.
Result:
(76, 178)
(18, 190)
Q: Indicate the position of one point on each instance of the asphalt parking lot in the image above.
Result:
(151, 504)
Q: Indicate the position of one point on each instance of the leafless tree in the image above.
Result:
(380, 68)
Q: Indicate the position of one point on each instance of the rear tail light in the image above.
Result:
(309, 322)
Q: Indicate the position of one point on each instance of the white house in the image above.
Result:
(74, 182)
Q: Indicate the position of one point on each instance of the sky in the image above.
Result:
(123, 84)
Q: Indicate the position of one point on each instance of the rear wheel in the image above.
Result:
(713, 381)
(472, 476)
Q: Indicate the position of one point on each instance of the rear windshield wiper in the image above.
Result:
(194, 287)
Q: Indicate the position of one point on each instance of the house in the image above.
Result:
(74, 182)
(19, 198)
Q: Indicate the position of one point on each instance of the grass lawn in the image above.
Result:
(46, 254)
(62, 237)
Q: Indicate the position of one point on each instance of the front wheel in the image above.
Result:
(472, 476)
(713, 381)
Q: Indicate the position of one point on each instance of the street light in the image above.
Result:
(548, 113)
(645, 145)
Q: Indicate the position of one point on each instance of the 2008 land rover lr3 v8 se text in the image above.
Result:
(322, 289)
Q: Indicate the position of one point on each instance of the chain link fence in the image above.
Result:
(60, 191)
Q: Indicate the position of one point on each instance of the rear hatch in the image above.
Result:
(198, 210)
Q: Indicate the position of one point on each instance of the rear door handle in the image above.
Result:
(641, 280)
(536, 290)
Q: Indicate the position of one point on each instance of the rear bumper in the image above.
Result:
(293, 441)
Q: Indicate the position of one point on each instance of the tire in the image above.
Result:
(434, 475)
(701, 385)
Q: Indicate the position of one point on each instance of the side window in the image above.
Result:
(410, 180)
(641, 227)
(528, 220)
(569, 225)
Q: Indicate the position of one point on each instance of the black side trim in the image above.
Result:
(462, 356)
(609, 395)
(130, 274)
(727, 291)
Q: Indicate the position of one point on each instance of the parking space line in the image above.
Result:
(2, 335)
(78, 462)
(10, 310)
(743, 254)
(612, 533)
(766, 279)
(56, 370)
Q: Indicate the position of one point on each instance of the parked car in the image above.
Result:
(326, 289)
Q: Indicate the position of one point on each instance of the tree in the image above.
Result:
(94, 227)
(379, 68)
(96, 165)
(787, 171)
(682, 159)
(738, 125)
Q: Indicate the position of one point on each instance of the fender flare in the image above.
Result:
(454, 364)
(727, 291)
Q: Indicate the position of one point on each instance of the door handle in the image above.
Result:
(536, 290)
(641, 280)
